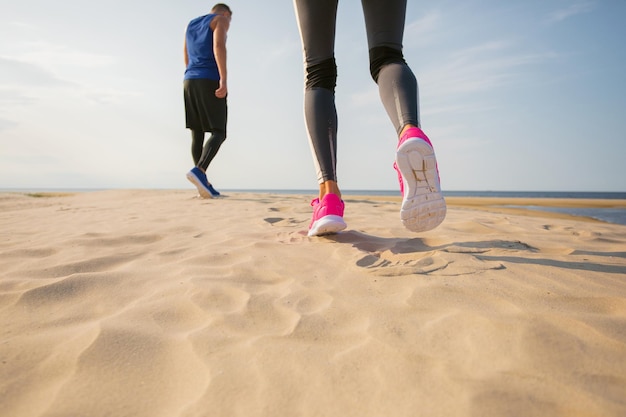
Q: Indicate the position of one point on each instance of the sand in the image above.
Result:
(156, 303)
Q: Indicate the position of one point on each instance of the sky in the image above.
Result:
(515, 96)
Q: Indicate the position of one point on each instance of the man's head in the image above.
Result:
(223, 9)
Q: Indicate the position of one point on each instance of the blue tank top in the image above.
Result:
(199, 39)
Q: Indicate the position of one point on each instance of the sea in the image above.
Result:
(609, 215)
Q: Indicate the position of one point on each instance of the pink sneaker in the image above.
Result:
(327, 216)
(423, 206)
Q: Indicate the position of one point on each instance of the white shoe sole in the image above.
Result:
(204, 193)
(423, 206)
(327, 225)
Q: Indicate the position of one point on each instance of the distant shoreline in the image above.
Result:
(608, 195)
(605, 207)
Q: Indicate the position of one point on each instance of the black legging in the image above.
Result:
(203, 153)
(384, 22)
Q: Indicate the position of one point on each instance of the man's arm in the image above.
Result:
(219, 50)
(185, 53)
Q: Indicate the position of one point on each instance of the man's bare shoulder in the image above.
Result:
(221, 22)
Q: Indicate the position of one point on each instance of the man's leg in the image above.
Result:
(210, 149)
(197, 143)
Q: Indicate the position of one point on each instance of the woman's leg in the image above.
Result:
(316, 21)
(423, 206)
(384, 22)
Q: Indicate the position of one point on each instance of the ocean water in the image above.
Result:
(539, 194)
(609, 215)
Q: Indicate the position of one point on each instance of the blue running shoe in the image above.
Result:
(213, 191)
(198, 178)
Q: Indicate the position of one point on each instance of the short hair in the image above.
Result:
(221, 7)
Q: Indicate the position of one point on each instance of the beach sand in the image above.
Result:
(156, 303)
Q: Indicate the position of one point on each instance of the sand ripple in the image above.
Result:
(154, 303)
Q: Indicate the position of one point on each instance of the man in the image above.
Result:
(205, 91)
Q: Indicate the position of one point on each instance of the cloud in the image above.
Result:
(107, 96)
(365, 97)
(18, 72)
(27, 68)
(576, 8)
(423, 30)
(11, 97)
(44, 64)
(463, 107)
(280, 49)
(6, 124)
(60, 56)
(481, 67)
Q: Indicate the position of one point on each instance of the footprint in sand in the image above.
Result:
(388, 263)
(283, 222)
(415, 257)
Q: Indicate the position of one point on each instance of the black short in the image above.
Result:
(203, 110)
